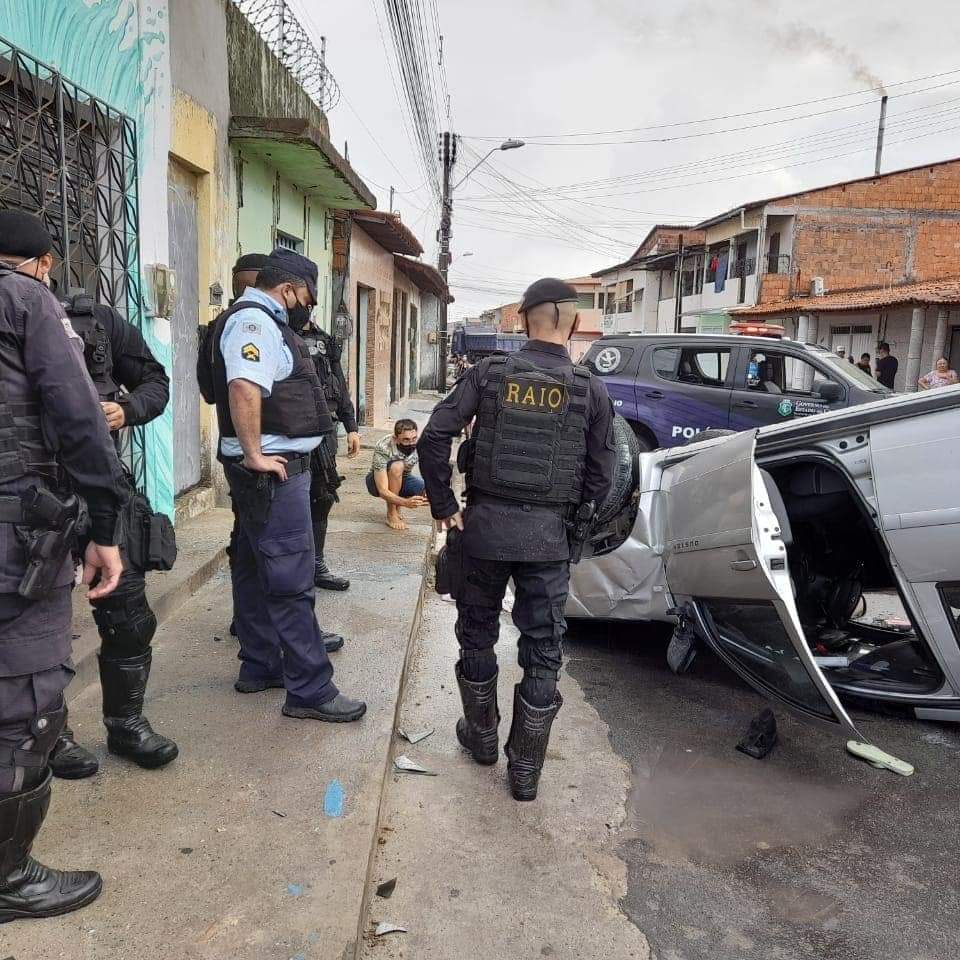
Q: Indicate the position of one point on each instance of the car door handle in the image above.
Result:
(742, 566)
(654, 394)
(746, 403)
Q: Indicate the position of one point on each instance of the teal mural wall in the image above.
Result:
(117, 50)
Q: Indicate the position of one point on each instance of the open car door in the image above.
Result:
(726, 553)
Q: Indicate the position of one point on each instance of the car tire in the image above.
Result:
(626, 473)
(710, 434)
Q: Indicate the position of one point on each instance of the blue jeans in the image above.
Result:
(273, 597)
(411, 486)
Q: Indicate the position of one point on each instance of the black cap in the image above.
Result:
(547, 290)
(297, 265)
(23, 234)
(251, 261)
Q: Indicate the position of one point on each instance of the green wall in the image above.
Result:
(271, 203)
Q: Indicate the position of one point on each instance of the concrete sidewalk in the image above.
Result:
(256, 842)
(480, 876)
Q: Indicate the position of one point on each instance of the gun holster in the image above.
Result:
(149, 537)
(52, 524)
(252, 492)
(449, 571)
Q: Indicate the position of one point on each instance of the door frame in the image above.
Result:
(364, 295)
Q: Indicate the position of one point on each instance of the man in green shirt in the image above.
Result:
(391, 475)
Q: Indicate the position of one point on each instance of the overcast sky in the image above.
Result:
(542, 69)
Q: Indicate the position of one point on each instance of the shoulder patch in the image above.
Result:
(251, 326)
(250, 352)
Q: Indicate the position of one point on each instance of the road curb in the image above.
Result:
(412, 642)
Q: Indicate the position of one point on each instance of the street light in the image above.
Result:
(506, 145)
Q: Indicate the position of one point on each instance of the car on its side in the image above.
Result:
(769, 546)
(670, 387)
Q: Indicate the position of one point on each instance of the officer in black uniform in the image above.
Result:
(541, 454)
(52, 436)
(326, 351)
(134, 389)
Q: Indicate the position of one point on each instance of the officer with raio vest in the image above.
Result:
(272, 415)
(54, 445)
(134, 389)
(540, 458)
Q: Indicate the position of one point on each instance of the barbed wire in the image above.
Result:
(283, 33)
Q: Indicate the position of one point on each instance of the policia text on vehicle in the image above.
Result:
(541, 454)
(54, 443)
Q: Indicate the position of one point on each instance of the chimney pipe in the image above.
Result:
(880, 129)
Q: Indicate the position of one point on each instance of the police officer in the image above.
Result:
(326, 351)
(118, 357)
(53, 430)
(272, 415)
(542, 448)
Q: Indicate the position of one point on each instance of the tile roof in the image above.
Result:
(930, 291)
(389, 231)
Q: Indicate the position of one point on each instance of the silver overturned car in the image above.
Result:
(785, 548)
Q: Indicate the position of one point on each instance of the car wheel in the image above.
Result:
(626, 474)
(711, 434)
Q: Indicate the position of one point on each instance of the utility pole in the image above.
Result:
(448, 157)
(391, 199)
(880, 129)
(678, 302)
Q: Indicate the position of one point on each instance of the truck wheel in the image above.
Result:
(641, 435)
(626, 473)
(709, 435)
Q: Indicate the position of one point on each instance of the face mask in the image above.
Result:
(298, 315)
(407, 448)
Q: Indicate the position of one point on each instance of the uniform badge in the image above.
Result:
(321, 348)
(532, 395)
(251, 327)
(250, 352)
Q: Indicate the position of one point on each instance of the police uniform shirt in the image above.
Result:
(498, 529)
(253, 350)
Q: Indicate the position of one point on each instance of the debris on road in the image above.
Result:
(404, 764)
(761, 735)
(879, 758)
(384, 928)
(333, 799)
(279, 814)
(416, 736)
(386, 888)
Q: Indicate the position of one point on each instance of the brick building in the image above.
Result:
(866, 260)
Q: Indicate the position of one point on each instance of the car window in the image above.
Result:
(607, 360)
(770, 371)
(703, 366)
(850, 371)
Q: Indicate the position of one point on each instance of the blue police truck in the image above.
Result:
(671, 387)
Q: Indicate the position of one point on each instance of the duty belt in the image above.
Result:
(297, 463)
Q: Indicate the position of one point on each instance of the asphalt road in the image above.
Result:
(805, 854)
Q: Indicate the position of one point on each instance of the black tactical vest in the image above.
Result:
(23, 448)
(296, 406)
(325, 352)
(97, 350)
(529, 442)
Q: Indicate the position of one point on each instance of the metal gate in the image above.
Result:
(71, 159)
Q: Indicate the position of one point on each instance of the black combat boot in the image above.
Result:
(527, 744)
(28, 889)
(325, 579)
(129, 734)
(70, 761)
(477, 728)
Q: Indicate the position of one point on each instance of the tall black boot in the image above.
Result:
(323, 577)
(477, 728)
(71, 761)
(129, 734)
(28, 889)
(527, 744)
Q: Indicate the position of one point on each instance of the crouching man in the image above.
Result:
(391, 475)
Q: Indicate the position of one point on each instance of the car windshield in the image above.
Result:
(851, 372)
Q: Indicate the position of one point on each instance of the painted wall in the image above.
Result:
(118, 50)
(429, 319)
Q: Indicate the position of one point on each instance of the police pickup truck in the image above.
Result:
(671, 387)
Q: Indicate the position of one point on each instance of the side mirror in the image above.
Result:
(830, 392)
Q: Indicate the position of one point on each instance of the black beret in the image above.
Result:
(23, 234)
(547, 290)
(296, 265)
(251, 261)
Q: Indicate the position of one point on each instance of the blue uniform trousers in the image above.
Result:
(273, 596)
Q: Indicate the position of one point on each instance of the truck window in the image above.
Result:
(702, 366)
